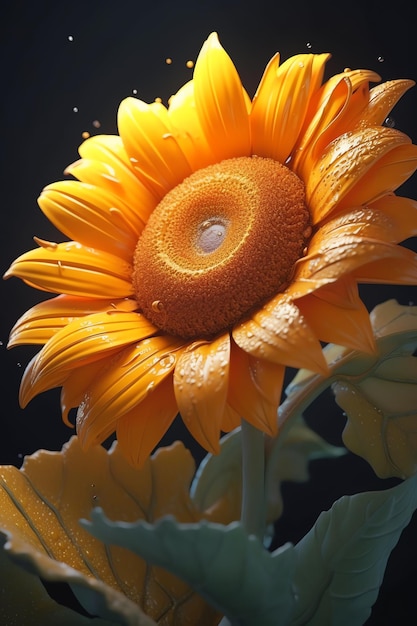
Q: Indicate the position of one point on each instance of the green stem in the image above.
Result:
(253, 480)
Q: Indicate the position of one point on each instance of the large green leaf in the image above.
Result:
(40, 508)
(331, 577)
(233, 571)
(341, 561)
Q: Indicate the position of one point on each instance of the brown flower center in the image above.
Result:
(220, 244)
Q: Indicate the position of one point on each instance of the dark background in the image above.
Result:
(66, 66)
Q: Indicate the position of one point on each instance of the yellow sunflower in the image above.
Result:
(214, 242)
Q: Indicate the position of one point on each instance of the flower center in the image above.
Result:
(219, 245)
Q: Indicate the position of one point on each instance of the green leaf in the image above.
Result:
(24, 600)
(231, 570)
(341, 561)
(217, 486)
(40, 508)
(332, 576)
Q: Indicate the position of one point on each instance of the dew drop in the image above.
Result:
(134, 91)
(211, 234)
(389, 122)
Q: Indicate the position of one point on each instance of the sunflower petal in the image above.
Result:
(382, 100)
(76, 384)
(74, 269)
(150, 141)
(334, 109)
(255, 389)
(281, 102)
(200, 384)
(401, 213)
(350, 325)
(336, 254)
(105, 164)
(89, 215)
(366, 155)
(221, 102)
(279, 333)
(398, 269)
(139, 431)
(29, 388)
(90, 339)
(189, 132)
(130, 377)
(43, 320)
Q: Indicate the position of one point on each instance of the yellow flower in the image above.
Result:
(213, 243)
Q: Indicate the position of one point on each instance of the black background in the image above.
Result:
(58, 56)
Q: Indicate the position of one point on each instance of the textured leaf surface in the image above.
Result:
(378, 393)
(40, 508)
(217, 487)
(233, 571)
(24, 600)
(331, 577)
(341, 561)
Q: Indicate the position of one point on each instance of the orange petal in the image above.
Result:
(134, 373)
(88, 339)
(398, 269)
(89, 215)
(230, 420)
(335, 181)
(334, 110)
(200, 384)
(335, 323)
(382, 100)
(29, 388)
(221, 102)
(43, 320)
(336, 254)
(75, 270)
(281, 102)
(150, 141)
(255, 389)
(189, 132)
(105, 164)
(279, 333)
(401, 213)
(76, 384)
(140, 430)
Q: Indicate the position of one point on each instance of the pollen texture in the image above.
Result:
(222, 242)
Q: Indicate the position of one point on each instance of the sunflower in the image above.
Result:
(214, 242)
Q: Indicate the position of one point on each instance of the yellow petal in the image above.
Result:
(335, 109)
(89, 339)
(255, 389)
(382, 100)
(401, 213)
(279, 333)
(76, 384)
(189, 132)
(399, 268)
(139, 431)
(75, 270)
(87, 214)
(154, 152)
(43, 320)
(281, 102)
(129, 378)
(332, 255)
(335, 181)
(200, 384)
(221, 102)
(335, 323)
(105, 164)
(29, 389)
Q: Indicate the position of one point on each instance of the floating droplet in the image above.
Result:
(190, 64)
(85, 135)
(96, 124)
(380, 59)
(168, 61)
(134, 91)
(70, 38)
(308, 44)
(75, 109)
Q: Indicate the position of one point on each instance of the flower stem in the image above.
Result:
(253, 480)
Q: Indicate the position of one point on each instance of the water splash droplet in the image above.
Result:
(380, 59)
